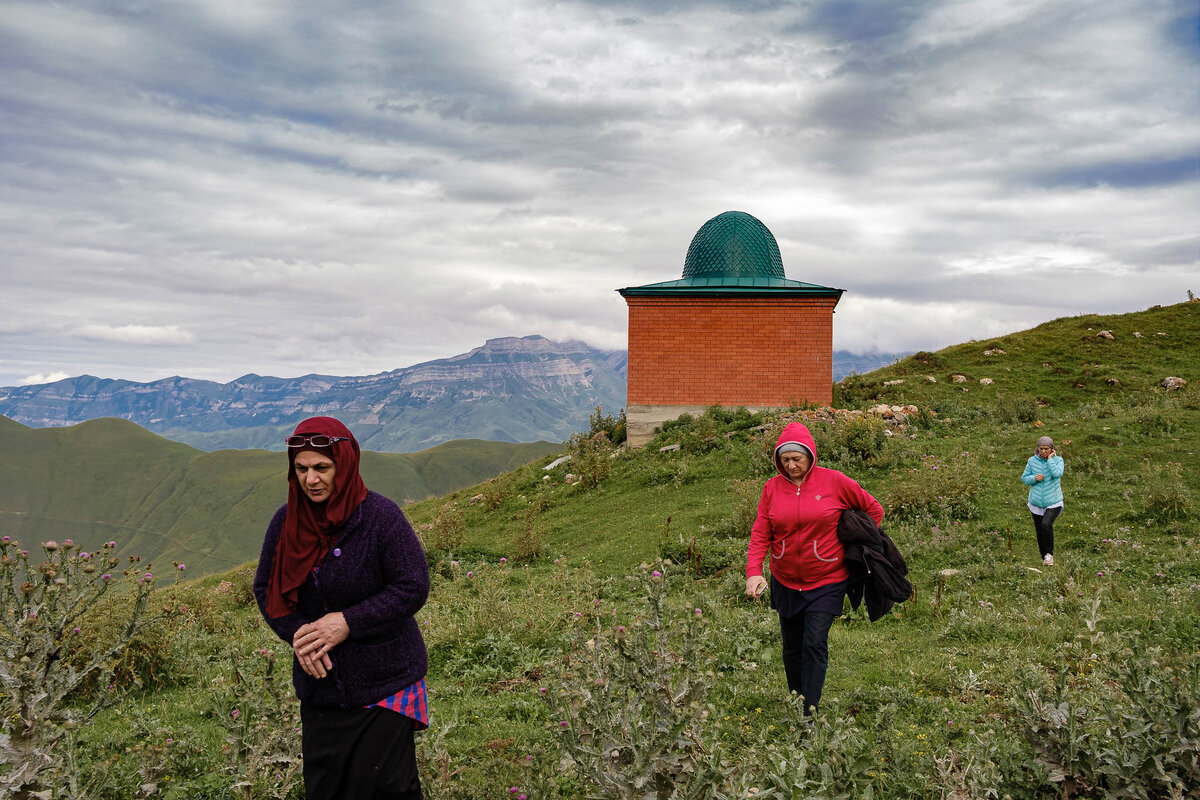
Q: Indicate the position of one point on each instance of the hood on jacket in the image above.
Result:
(796, 433)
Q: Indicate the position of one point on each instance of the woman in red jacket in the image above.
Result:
(797, 522)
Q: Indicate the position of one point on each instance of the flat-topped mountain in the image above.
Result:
(510, 390)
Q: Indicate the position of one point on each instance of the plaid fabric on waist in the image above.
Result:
(410, 702)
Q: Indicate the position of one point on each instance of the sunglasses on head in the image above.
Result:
(314, 439)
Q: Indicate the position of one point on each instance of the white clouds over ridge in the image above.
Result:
(348, 188)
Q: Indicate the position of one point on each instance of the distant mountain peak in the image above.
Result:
(513, 389)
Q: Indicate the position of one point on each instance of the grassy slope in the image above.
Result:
(110, 479)
(946, 666)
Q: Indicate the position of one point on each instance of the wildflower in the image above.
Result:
(656, 574)
(105, 577)
(77, 629)
(50, 546)
(562, 723)
(182, 567)
(1099, 574)
(110, 544)
(470, 574)
(578, 615)
(503, 560)
(235, 713)
(620, 629)
(542, 690)
(513, 790)
(698, 612)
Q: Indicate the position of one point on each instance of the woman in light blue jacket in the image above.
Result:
(1043, 474)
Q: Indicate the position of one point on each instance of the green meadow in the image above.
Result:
(589, 637)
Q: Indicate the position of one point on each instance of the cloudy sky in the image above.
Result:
(209, 187)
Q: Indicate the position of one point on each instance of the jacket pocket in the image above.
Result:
(818, 556)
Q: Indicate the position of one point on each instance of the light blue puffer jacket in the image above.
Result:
(1047, 491)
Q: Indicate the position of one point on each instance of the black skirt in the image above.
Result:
(790, 602)
(366, 753)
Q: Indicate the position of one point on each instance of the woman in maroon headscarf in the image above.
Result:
(340, 579)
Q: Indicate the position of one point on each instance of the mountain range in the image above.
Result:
(510, 390)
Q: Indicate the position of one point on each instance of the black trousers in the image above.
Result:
(1043, 524)
(359, 753)
(806, 654)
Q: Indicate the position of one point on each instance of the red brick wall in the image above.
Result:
(730, 351)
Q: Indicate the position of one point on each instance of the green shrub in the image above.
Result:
(530, 541)
(865, 436)
(591, 458)
(701, 554)
(448, 531)
(937, 489)
(614, 429)
(1164, 492)
(744, 499)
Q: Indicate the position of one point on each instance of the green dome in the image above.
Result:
(735, 245)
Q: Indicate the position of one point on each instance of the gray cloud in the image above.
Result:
(211, 189)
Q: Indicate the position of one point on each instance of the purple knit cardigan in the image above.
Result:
(377, 576)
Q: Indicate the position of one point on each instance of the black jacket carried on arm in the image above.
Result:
(877, 570)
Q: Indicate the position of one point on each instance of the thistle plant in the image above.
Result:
(262, 724)
(631, 714)
(53, 681)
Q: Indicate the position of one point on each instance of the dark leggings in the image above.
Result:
(1044, 525)
(806, 654)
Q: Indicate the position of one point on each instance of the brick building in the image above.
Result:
(733, 331)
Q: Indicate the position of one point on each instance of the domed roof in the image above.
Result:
(735, 245)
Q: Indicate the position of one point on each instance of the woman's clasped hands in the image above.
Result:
(313, 641)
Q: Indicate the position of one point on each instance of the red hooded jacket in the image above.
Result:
(797, 524)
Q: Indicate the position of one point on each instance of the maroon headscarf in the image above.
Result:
(310, 529)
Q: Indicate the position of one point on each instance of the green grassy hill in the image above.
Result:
(109, 479)
(1062, 363)
(591, 638)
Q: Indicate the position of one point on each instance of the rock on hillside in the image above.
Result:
(511, 389)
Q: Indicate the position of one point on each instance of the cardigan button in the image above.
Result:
(337, 551)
